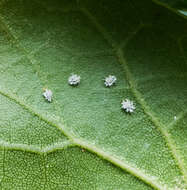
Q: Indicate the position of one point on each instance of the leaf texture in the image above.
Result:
(82, 139)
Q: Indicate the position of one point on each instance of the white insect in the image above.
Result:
(48, 95)
(74, 79)
(128, 105)
(110, 80)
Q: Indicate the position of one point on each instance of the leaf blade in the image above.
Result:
(96, 117)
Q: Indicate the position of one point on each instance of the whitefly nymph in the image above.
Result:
(128, 106)
(110, 80)
(48, 95)
(74, 80)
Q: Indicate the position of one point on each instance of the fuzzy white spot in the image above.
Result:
(128, 106)
(48, 95)
(74, 79)
(110, 80)
(175, 117)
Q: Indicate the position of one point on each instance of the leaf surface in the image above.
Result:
(83, 140)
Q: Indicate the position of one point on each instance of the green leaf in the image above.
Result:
(178, 6)
(83, 139)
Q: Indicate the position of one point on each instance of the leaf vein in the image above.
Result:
(15, 41)
(107, 156)
(28, 108)
(73, 142)
(169, 8)
(137, 94)
(34, 149)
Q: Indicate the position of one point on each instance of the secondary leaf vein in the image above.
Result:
(137, 94)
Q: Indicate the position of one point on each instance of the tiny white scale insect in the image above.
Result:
(110, 80)
(48, 95)
(74, 79)
(128, 106)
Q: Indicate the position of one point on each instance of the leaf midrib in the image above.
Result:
(82, 143)
(75, 142)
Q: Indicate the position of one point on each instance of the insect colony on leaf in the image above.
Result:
(109, 81)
